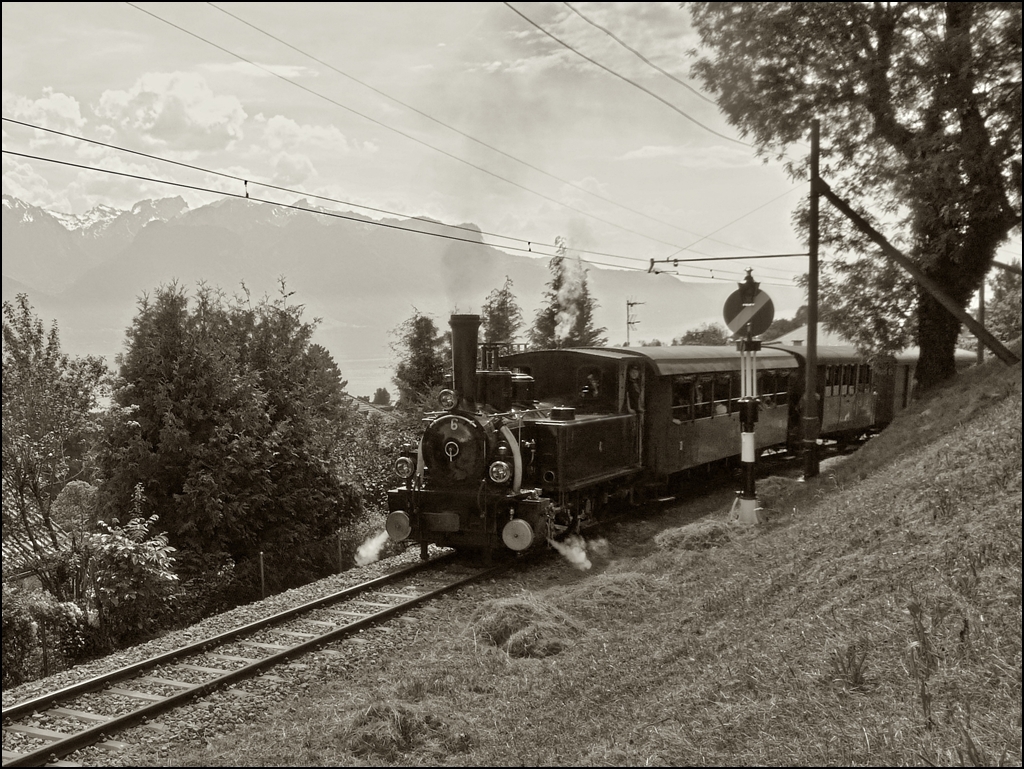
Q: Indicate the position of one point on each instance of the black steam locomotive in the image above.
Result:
(537, 447)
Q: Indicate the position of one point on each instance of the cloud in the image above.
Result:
(177, 110)
(292, 168)
(696, 157)
(53, 110)
(280, 132)
(291, 71)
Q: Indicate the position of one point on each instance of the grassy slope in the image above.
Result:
(875, 619)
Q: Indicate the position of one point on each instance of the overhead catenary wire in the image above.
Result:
(403, 133)
(629, 48)
(484, 170)
(633, 83)
(319, 212)
(462, 133)
(246, 182)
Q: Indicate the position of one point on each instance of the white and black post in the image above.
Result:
(748, 311)
(747, 500)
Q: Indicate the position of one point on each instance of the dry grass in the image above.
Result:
(875, 619)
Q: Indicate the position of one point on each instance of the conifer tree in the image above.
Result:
(567, 317)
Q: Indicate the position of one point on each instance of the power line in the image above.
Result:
(466, 135)
(300, 208)
(246, 182)
(640, 55)
(633, 83)
(267, 185)
(454, 157)
(401, 133)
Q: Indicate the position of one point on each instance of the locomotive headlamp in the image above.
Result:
(500, 471)
(448, 399)
(405, 467)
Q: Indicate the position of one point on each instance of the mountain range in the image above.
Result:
(362, 277)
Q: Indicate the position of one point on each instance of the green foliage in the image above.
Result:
(708, 333)
(1003, 310)
(381, 397)
(501, 315)
(566, 319)
(781, 326)
(920, 107)
(133, 577)
(232, 421)
(370, 455)
(47, 427)
(871, 302)
(41, 635)
(421, 361)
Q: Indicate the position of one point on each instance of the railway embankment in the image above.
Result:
(875, 618)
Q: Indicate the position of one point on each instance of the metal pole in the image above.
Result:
(263, 579)
(981, 320)
(810, 410)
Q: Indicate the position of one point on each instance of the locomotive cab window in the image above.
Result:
(595, 387)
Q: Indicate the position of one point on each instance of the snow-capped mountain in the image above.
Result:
(360, 278)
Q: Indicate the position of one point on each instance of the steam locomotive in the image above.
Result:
(535, 445)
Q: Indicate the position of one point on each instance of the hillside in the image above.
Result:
(874, 619)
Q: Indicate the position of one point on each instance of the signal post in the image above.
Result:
(748, 312)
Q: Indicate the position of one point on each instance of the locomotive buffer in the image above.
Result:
(748, 312)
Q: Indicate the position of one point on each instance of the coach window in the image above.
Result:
(864, 379)
(722, 394)
(781, 388)
(830, 381)
(766, 388)
(702, 397)
(682, 398)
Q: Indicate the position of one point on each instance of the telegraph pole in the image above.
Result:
(810, 411)
(630, 317)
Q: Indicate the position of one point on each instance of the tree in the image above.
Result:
(921, 112)
(381, 397)
(232, 422)
(48, 398)
(708, 333)
(501, 315)
(781, 326)
(421, 362)
(1003, 313)
(567, 317)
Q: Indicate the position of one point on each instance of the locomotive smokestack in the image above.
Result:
(464, 334)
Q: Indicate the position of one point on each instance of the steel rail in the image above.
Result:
(59, 749)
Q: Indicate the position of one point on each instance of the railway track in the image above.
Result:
(93, 711)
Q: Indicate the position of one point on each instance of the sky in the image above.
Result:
(594, 159)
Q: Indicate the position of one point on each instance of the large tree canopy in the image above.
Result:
(232, 422)
(920, 106)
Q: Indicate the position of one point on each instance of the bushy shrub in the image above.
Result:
(133, 578)
(41, 635)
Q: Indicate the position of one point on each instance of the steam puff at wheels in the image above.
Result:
(517, 535)
(398, 526)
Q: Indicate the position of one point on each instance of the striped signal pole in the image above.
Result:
(747, 312)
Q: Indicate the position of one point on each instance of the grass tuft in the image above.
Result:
(702, 535)
(524, 626)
